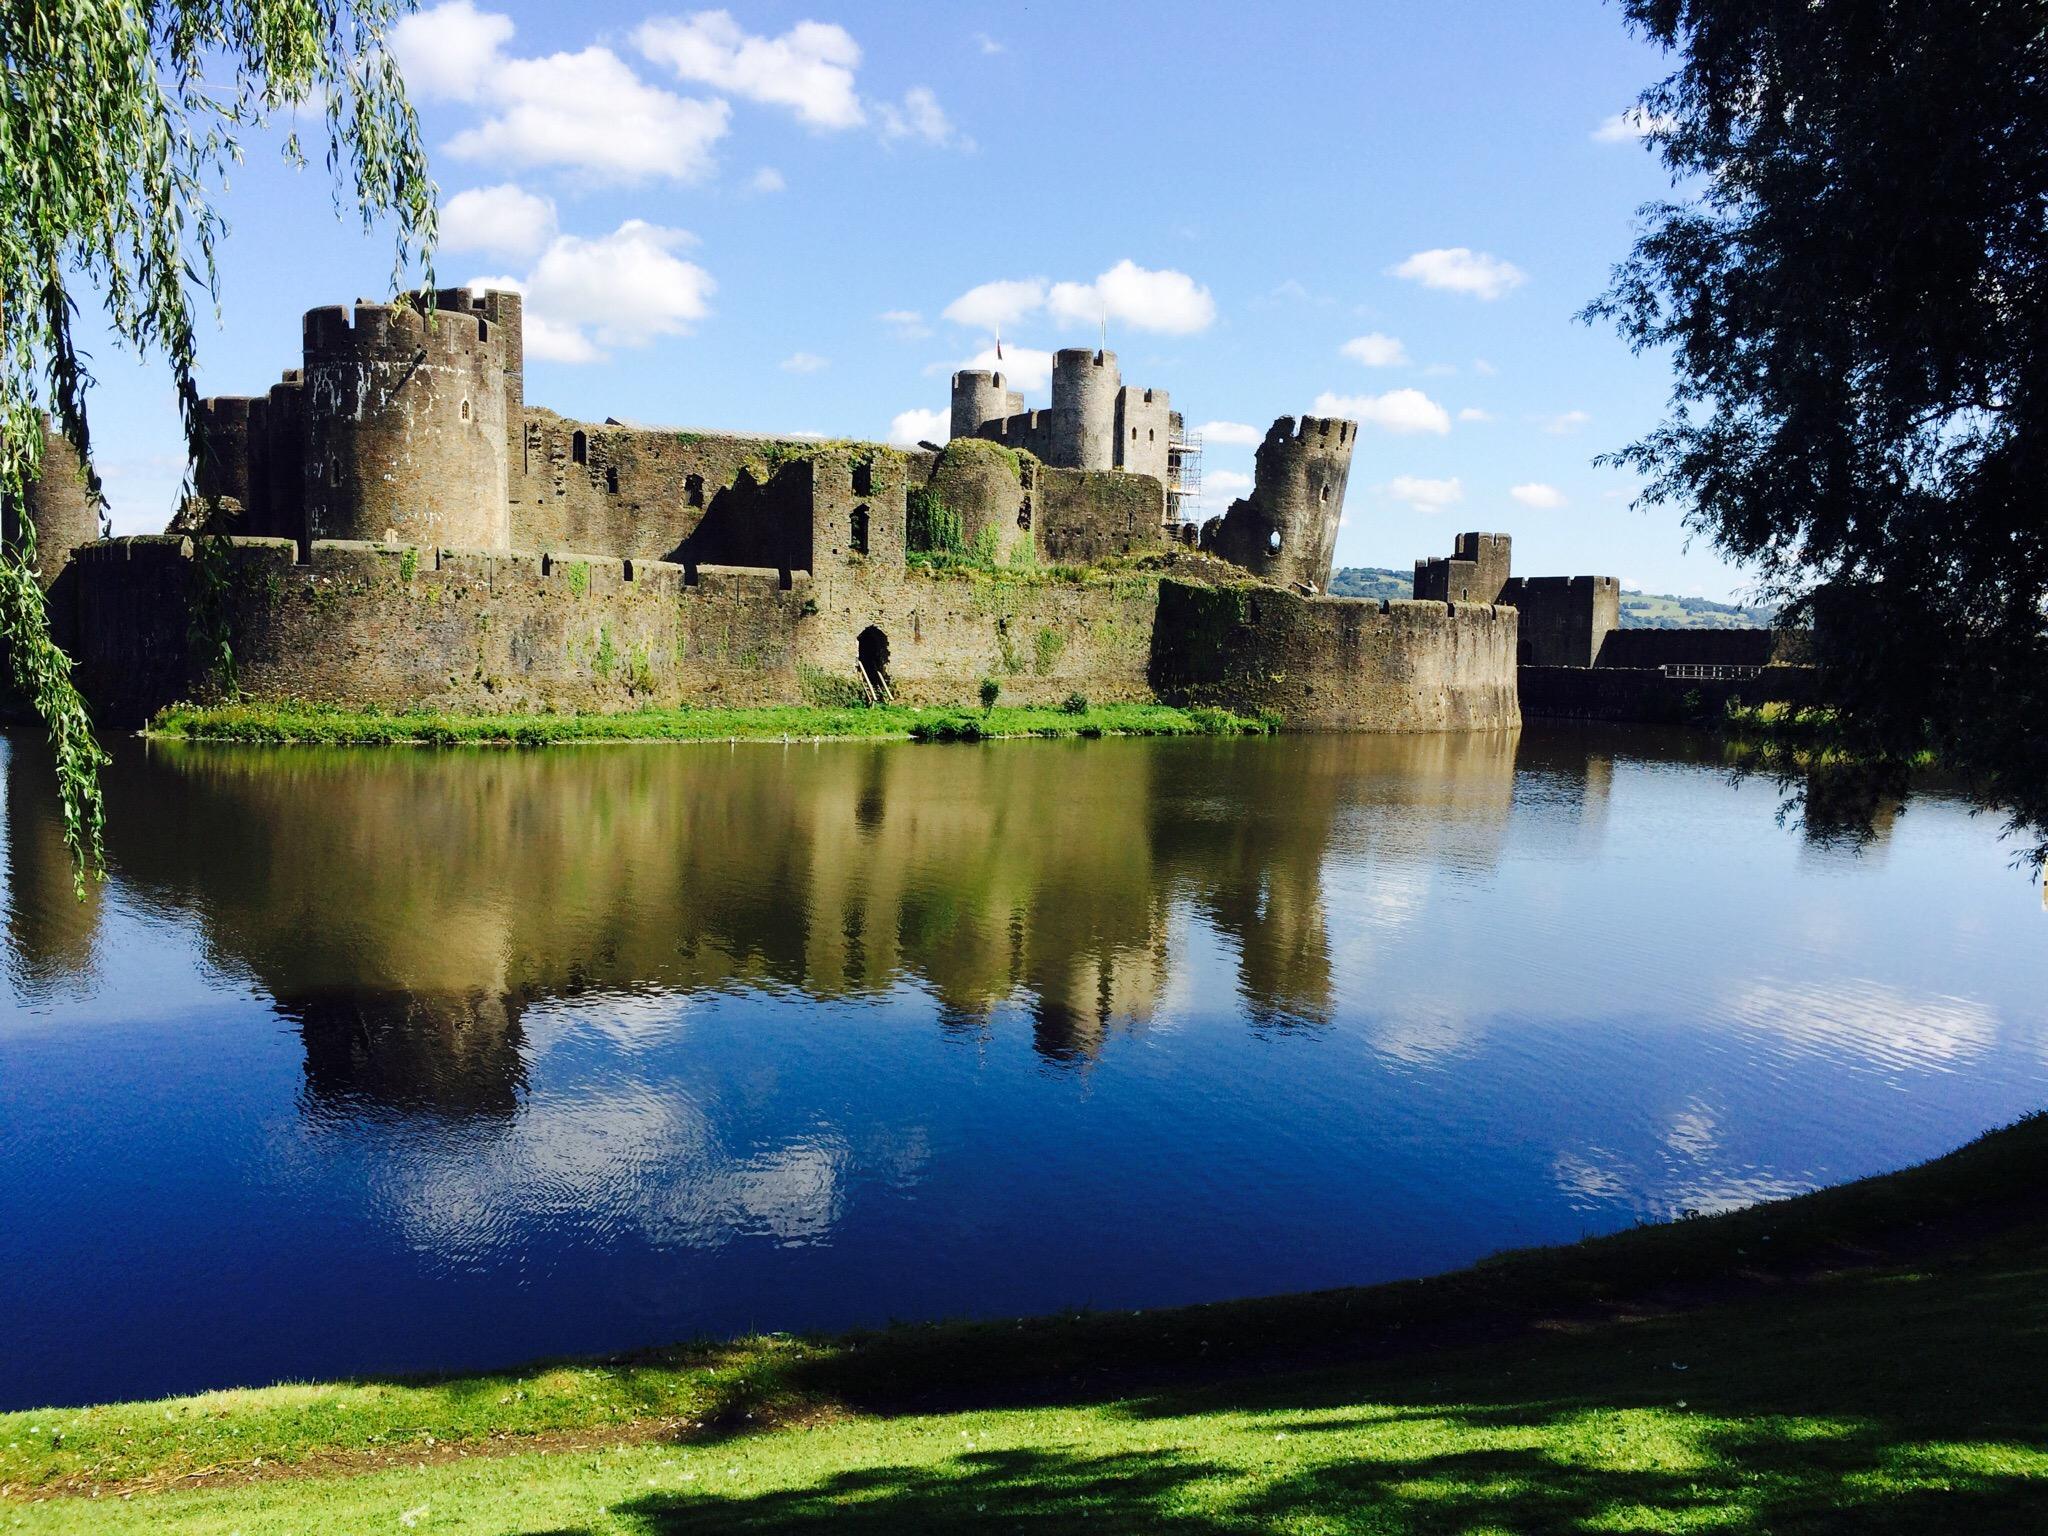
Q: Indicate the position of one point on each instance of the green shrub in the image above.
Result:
(930, 526)
(1075, 704)
(991, 690)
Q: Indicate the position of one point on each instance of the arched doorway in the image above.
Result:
(874, 661)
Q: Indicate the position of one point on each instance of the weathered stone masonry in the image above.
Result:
(393, 526)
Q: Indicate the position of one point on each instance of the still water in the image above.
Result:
(382, 1061)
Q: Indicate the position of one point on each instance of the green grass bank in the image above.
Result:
(283, 724)
(1869, 1358)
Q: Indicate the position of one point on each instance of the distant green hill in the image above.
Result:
(1639, 610)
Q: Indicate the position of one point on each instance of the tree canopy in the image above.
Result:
(1852, 281)
(120, 123)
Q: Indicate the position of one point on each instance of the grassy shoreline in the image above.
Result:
(1855, 1359)
(305, 724)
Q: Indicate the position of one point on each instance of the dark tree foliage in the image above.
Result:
(1853, 284)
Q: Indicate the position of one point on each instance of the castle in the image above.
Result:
(393, 525)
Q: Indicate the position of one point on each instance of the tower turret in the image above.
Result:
(231, 438)
(1084, 401)
(979, 397)
(405, 427)
(1286, 530)
(60, 507)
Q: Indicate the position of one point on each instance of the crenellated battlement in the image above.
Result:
(386, 333)
(1286, 529)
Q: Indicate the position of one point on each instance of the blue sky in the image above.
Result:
(801, 218)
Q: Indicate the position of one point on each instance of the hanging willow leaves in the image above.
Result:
(120, 121)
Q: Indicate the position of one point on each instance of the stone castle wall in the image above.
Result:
(1337, 663)
(392, 627)
(1565, 619)
(371, 626)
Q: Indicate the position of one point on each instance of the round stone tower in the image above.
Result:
(978, 396)
(1286, 530)
(230, 431)
(405, 429)
(60, 508)
(1084, 391)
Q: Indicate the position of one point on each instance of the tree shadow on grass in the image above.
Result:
(1525, 1491)
(1885, 1403)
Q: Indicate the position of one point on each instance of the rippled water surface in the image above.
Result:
(383, 1061)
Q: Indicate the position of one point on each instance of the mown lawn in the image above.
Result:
(283, 724)
(1873, 1358)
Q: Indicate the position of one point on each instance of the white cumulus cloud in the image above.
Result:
(908, 324)
(766, 179)
(917, 116)
(1164, 301)
(1376, 351)
(504, 220)
(1426, 495)
(909, 428)
(988, 306)
(1544, 498)
(1168, 302)
(586, 111)
(804, 362)
(1403, 412)
(1565, 423)
(1223, 486)
(1635, 123)
(809, 69)
(1458, 269)
(1024, 368)
(1231, 433)
(449, 51)
(589, 111)
(1473, 413)
(620, 290)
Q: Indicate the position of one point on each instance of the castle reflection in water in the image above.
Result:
(404, 910)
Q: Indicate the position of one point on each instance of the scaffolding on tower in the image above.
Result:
(1183, 469)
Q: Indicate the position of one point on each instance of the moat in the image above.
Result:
(396, 1060)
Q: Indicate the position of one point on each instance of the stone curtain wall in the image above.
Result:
(383, 626)
(1039, 641)
(1337, 663)
(1565, 619)
(1085, 516)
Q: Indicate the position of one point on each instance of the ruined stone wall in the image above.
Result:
(994, 490)
(393, 627)
(1565, 619)
(1085, 517)
(1040, 641)
(405, 427)
(1286, 530)
(387, 626)
(1337, 663)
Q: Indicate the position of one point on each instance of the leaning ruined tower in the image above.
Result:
(1286, 530)
(406, 425)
